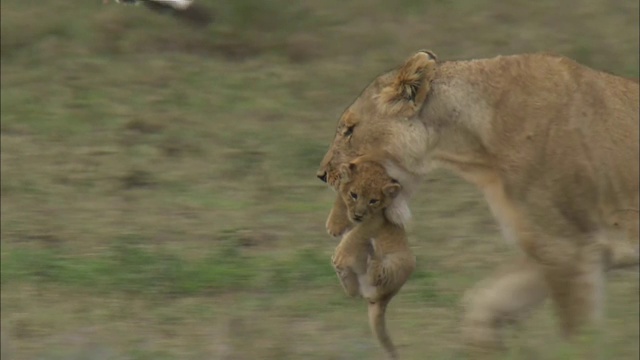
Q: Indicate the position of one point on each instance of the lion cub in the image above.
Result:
(373, 259)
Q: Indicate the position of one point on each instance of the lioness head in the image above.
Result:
(382, 119)
(366, 189)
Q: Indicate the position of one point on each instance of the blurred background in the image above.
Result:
(159, 198)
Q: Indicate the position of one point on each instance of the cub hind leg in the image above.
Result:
(349, 262)
(387, 273)
(390, 272)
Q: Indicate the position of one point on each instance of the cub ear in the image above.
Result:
(346, 171)
(408, 90)
(392, 189)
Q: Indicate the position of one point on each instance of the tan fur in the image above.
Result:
(398, 212)
(373, 260)
(337, 222)
(552, 144)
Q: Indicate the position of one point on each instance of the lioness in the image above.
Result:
(373, 259)
(553, 146)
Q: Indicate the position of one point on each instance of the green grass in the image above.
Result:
(158, 189)
(130, 267)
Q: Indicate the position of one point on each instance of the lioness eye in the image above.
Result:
(354, 196)
(373, 202)
(349, 131)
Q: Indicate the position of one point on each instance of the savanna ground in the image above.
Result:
(158, 190)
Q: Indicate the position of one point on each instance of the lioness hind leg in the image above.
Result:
(622, 255)
(622, 247)
(506, 298)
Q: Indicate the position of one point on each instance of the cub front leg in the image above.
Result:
(338, 222)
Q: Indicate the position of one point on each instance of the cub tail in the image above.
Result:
(378, 325)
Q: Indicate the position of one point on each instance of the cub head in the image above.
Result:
(366, 189)
(383, 120)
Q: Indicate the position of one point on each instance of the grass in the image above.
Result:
(158, 189)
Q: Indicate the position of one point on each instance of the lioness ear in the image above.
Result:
(392, 190)
(408, 90)
(346, 170)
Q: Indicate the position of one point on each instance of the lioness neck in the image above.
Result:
(464, 113)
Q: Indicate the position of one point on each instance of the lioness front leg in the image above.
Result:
(578, 295)
(577, 292)
(338, 222)
(508, 297)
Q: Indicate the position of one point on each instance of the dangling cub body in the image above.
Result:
(373, 259)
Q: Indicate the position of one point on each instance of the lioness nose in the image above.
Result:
(357, 217)
(322, 175)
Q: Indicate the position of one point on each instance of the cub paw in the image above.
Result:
(337, 227)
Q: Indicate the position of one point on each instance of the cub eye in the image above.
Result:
(373, 201)
(349, 131)
(354, 196)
